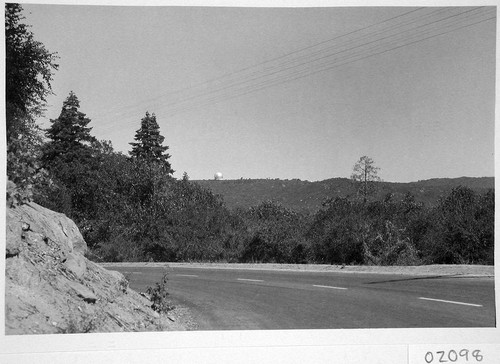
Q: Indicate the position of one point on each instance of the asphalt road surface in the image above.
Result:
(225, 299)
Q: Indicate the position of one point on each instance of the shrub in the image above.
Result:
(390, 247)
(159, 294)
(338, 231)
(463, 229)
(275, 234)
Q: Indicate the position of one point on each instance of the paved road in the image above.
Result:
(221, 299)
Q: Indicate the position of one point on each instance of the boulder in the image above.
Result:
(51, 225)
(75, 263)
(50, 287)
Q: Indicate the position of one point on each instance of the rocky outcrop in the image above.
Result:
(52, 288)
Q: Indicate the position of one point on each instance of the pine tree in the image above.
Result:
(69, 134)
(365, 176)
(72, 160)
(148, 145)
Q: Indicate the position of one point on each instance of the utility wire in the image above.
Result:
(209, 82)
(294, 67)
(270, 76)
(306, 71)
(211, 102)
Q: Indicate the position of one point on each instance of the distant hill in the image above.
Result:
(308, 196)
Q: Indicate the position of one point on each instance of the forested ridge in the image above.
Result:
(131, 208)
(308, 196)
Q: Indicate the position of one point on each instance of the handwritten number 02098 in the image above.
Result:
(453, 356)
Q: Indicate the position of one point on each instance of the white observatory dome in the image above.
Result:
(218, 176)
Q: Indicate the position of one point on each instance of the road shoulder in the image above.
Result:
(422, 270)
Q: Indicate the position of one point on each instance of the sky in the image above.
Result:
(284, 92)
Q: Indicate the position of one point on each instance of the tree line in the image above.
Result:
(131, 208)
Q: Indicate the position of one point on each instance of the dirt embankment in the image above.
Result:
(52, 288)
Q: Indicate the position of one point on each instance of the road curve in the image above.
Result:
(239, 299)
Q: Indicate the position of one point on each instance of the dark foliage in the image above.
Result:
(462, 229)
(275, 234)
(457, 231)
(28, 71)
(28, 66)
(306, 196)
(145, 214)
(71, 161)
(148, 144)
(337, 232)
(69, 135)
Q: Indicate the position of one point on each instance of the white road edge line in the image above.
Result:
(319, 286)
(249, 280)
(186, 275)
(455, 302)
(126, 272)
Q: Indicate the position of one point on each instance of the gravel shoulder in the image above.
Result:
(423, 270)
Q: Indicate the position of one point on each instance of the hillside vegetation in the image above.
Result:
(308, 196)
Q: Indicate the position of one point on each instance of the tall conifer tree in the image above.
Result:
(148, 145)
(69, 134)
(71, 159)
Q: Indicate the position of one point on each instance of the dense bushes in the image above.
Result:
(140, 212)
(336, 233)
(462, 229)
(459, 230)
(189, 223)
(275, 234)
(133, 210)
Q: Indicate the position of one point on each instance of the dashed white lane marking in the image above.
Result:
(454, 302)
(186, 275)
(125, 272)
(249, 280)
(332, 287)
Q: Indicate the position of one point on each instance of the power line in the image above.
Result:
(242, 70)
(311, 66)
(211, 102)
(314, 60)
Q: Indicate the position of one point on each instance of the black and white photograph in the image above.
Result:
(280, 171)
